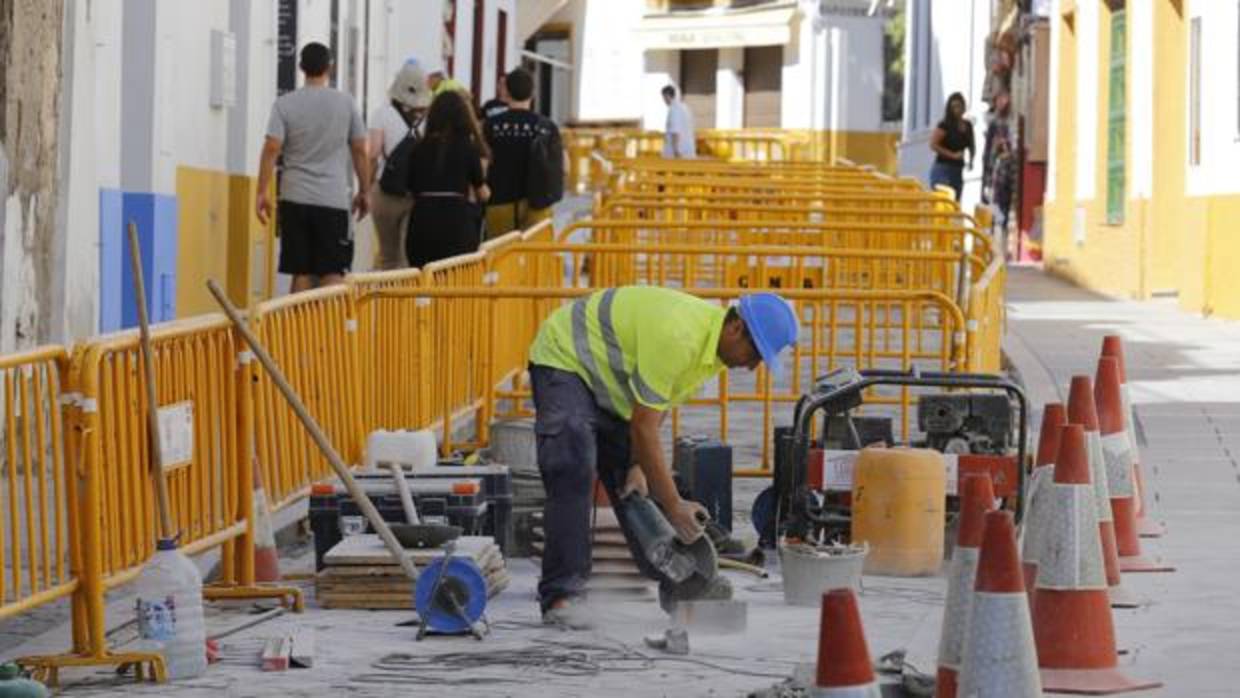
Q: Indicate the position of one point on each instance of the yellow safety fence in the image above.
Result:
(445, 346)
(896, 329)
(37, 496)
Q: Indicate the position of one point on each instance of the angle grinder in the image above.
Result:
(684, 572)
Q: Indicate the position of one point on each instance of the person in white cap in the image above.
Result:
(394, 128)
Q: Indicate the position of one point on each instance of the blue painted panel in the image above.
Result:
(112, 248)
(156, 218)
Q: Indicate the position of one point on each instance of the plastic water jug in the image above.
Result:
(13, 686)
(169, 611)
(899, 507)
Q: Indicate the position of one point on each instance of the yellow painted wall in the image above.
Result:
(1222, 258)
(202, 232)
(1110, 257)
(219, 237)
(1176, 254)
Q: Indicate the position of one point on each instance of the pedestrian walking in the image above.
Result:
(499, 103)
(393, 133)
(317, 130)
(605, 369)
(952, 137)
(448, 182)
(1000, 160)
(679, 139)
(527, 175)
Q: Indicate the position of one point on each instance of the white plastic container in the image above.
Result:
(169, 611)
(810, 570)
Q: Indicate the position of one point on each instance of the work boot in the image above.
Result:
(568, 613)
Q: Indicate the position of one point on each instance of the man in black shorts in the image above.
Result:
(318, 130)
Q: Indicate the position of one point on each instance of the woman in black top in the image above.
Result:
(447, 181)
(951, 138)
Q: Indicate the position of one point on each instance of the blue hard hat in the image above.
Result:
(773, 325)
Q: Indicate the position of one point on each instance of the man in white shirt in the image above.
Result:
(678, 138)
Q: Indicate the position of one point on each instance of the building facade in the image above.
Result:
(944, 52)
(162, 110)
(791, 64)
(1142, 191)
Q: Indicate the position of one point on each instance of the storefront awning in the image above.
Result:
(764, 27)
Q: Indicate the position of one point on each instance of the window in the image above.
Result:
(1116, 117)
(1194, 91)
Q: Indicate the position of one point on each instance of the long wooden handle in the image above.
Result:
(406, 497)
(152, 406)
(316, 433)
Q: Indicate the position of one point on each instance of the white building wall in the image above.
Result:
(661, 68)
(612, 80)
(730, 88)
(1087, 90)
(1220, 122)
(945, 48)
(857, 61)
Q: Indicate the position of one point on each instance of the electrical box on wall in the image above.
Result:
(223, 88)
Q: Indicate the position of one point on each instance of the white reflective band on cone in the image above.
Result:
(999, 655)
(961, 573)
(264, 533)
(1117, 454)
(1071, 556)
(1098, 476)
(869, 690)
(1035, 512)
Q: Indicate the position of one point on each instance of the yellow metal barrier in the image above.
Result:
(38, 494)
(313, 337)
(888, 329)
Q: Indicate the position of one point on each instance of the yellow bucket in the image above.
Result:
(899, 508)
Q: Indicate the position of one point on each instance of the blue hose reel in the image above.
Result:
(451, 598)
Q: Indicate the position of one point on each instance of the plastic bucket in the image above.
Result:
(808, 571)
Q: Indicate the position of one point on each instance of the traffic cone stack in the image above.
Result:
(999, 658)
(1113, 347)
(1117, 454)
(1083, 411)
(844, 669)
(1072, 622)
(266, 555)
(1053, 419)
(977, 498)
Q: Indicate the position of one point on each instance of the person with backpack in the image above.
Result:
(447, 178)
(527, 170)
(393, 133)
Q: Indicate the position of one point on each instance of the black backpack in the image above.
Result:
(394, 179)
(544, 176)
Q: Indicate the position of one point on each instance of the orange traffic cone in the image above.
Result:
(977, 498)
(844, 669)
(1082, 411)
(266, 556)
(1072, 622)
(1113, 347)
(1053, 419)
(1119, 469)
(999, 659)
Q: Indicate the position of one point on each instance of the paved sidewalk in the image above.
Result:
(1185, 375)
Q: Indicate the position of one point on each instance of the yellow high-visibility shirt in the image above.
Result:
(634, 345)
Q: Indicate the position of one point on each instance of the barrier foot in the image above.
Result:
(46, 669)
(288, 596)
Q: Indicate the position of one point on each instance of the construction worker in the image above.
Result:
(604, 371)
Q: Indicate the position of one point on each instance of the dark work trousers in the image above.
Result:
(576, 441)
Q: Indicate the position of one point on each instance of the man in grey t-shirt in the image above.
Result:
(317, 129)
